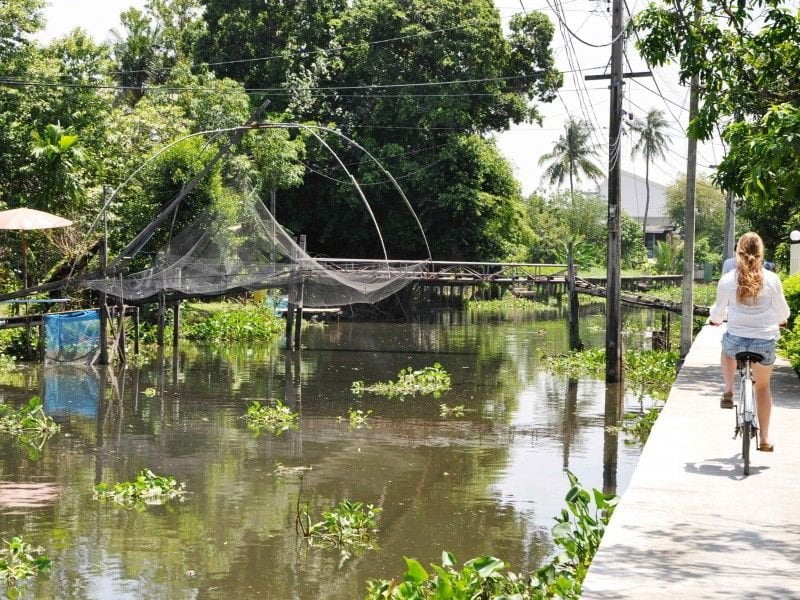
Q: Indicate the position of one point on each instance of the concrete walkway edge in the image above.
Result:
(690, 525)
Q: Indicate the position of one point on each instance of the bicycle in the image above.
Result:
(746, 417)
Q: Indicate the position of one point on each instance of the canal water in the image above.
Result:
(487, 482)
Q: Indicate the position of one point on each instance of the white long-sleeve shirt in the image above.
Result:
(758, 320)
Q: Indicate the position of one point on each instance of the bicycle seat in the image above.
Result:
(753, 357)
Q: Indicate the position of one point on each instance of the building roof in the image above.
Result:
(634, 197)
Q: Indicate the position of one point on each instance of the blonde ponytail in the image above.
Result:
(749, 265)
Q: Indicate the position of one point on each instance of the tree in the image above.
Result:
(709, 206)
(749, 81)
(571, 156)
(651, 143)
(421, 129)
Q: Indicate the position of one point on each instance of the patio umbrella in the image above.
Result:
(24, 219)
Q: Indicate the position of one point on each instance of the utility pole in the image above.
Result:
(730, 225)
(687, 306)
(613, 281)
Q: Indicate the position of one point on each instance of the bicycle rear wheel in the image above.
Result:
(747, 433)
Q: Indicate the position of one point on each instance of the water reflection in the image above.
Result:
(488, 482)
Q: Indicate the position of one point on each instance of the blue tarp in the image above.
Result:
(72, 336)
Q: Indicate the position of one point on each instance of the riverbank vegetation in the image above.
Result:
(577, 533)
(428, 380)
(650, 372)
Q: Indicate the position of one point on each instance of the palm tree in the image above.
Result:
(571, 156)
(651, 144)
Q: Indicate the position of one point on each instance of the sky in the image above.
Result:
(522, 145)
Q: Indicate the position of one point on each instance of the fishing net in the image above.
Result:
(72, 337)
(252, 251)
(220, 252)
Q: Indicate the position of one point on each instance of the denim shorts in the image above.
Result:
(731, 344)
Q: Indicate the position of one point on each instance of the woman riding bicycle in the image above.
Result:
(756, 310)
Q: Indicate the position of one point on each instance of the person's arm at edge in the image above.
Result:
(780, 304)
(717, 312)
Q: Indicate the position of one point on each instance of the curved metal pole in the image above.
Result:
(273, 125)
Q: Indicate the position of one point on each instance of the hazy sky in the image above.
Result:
(523, 144)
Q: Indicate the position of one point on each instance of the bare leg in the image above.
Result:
(762, 376)
(728, 364)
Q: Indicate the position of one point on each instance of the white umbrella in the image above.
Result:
(24, 219)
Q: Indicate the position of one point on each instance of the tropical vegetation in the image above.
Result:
(578, 531)
(19, 561)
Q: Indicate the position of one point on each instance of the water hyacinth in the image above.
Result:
(277, 418)
(19, 561)
(428, 380)
(147, 489)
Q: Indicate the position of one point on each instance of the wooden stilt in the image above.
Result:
(136, 331)
(103, 358)
(289, 325)
(176, 325)
(574, 330)
(161, 310)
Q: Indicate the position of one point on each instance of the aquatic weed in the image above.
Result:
(428, 380)
(18, 561)
(147, 489)
(276, 418)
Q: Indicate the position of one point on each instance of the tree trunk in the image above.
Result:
(571, 188)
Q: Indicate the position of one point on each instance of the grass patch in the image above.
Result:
(428, 380)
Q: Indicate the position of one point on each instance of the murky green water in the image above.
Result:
(488, 482)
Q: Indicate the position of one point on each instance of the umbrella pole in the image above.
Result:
(24, 261)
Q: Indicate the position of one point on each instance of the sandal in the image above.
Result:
(766, 447)
(727, 400)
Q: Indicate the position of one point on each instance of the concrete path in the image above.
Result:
(690, 525)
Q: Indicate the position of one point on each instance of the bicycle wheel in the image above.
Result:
(747, 433)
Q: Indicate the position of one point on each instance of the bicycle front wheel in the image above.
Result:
(747, 433)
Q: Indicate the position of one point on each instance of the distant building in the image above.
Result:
(634, 199)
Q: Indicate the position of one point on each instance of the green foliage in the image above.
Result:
(236, 323)
(19, 561)
(579, 217)
(638, 425)
(791, 290)
(669, 256)
(704, 293)
(571, 156)
(357, 418)
(507, 303)
(277, 418)
(709, 210)
(578, 531)
(747, 82)
(349, 526)
(649, 372)
(634, 253)
(30, 427)
(428, 380)
(147, 489)
(451, 411)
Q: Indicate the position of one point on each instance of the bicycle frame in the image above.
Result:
(746, 413)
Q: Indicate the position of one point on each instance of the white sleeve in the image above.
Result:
(717, 311)
(779, 302)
